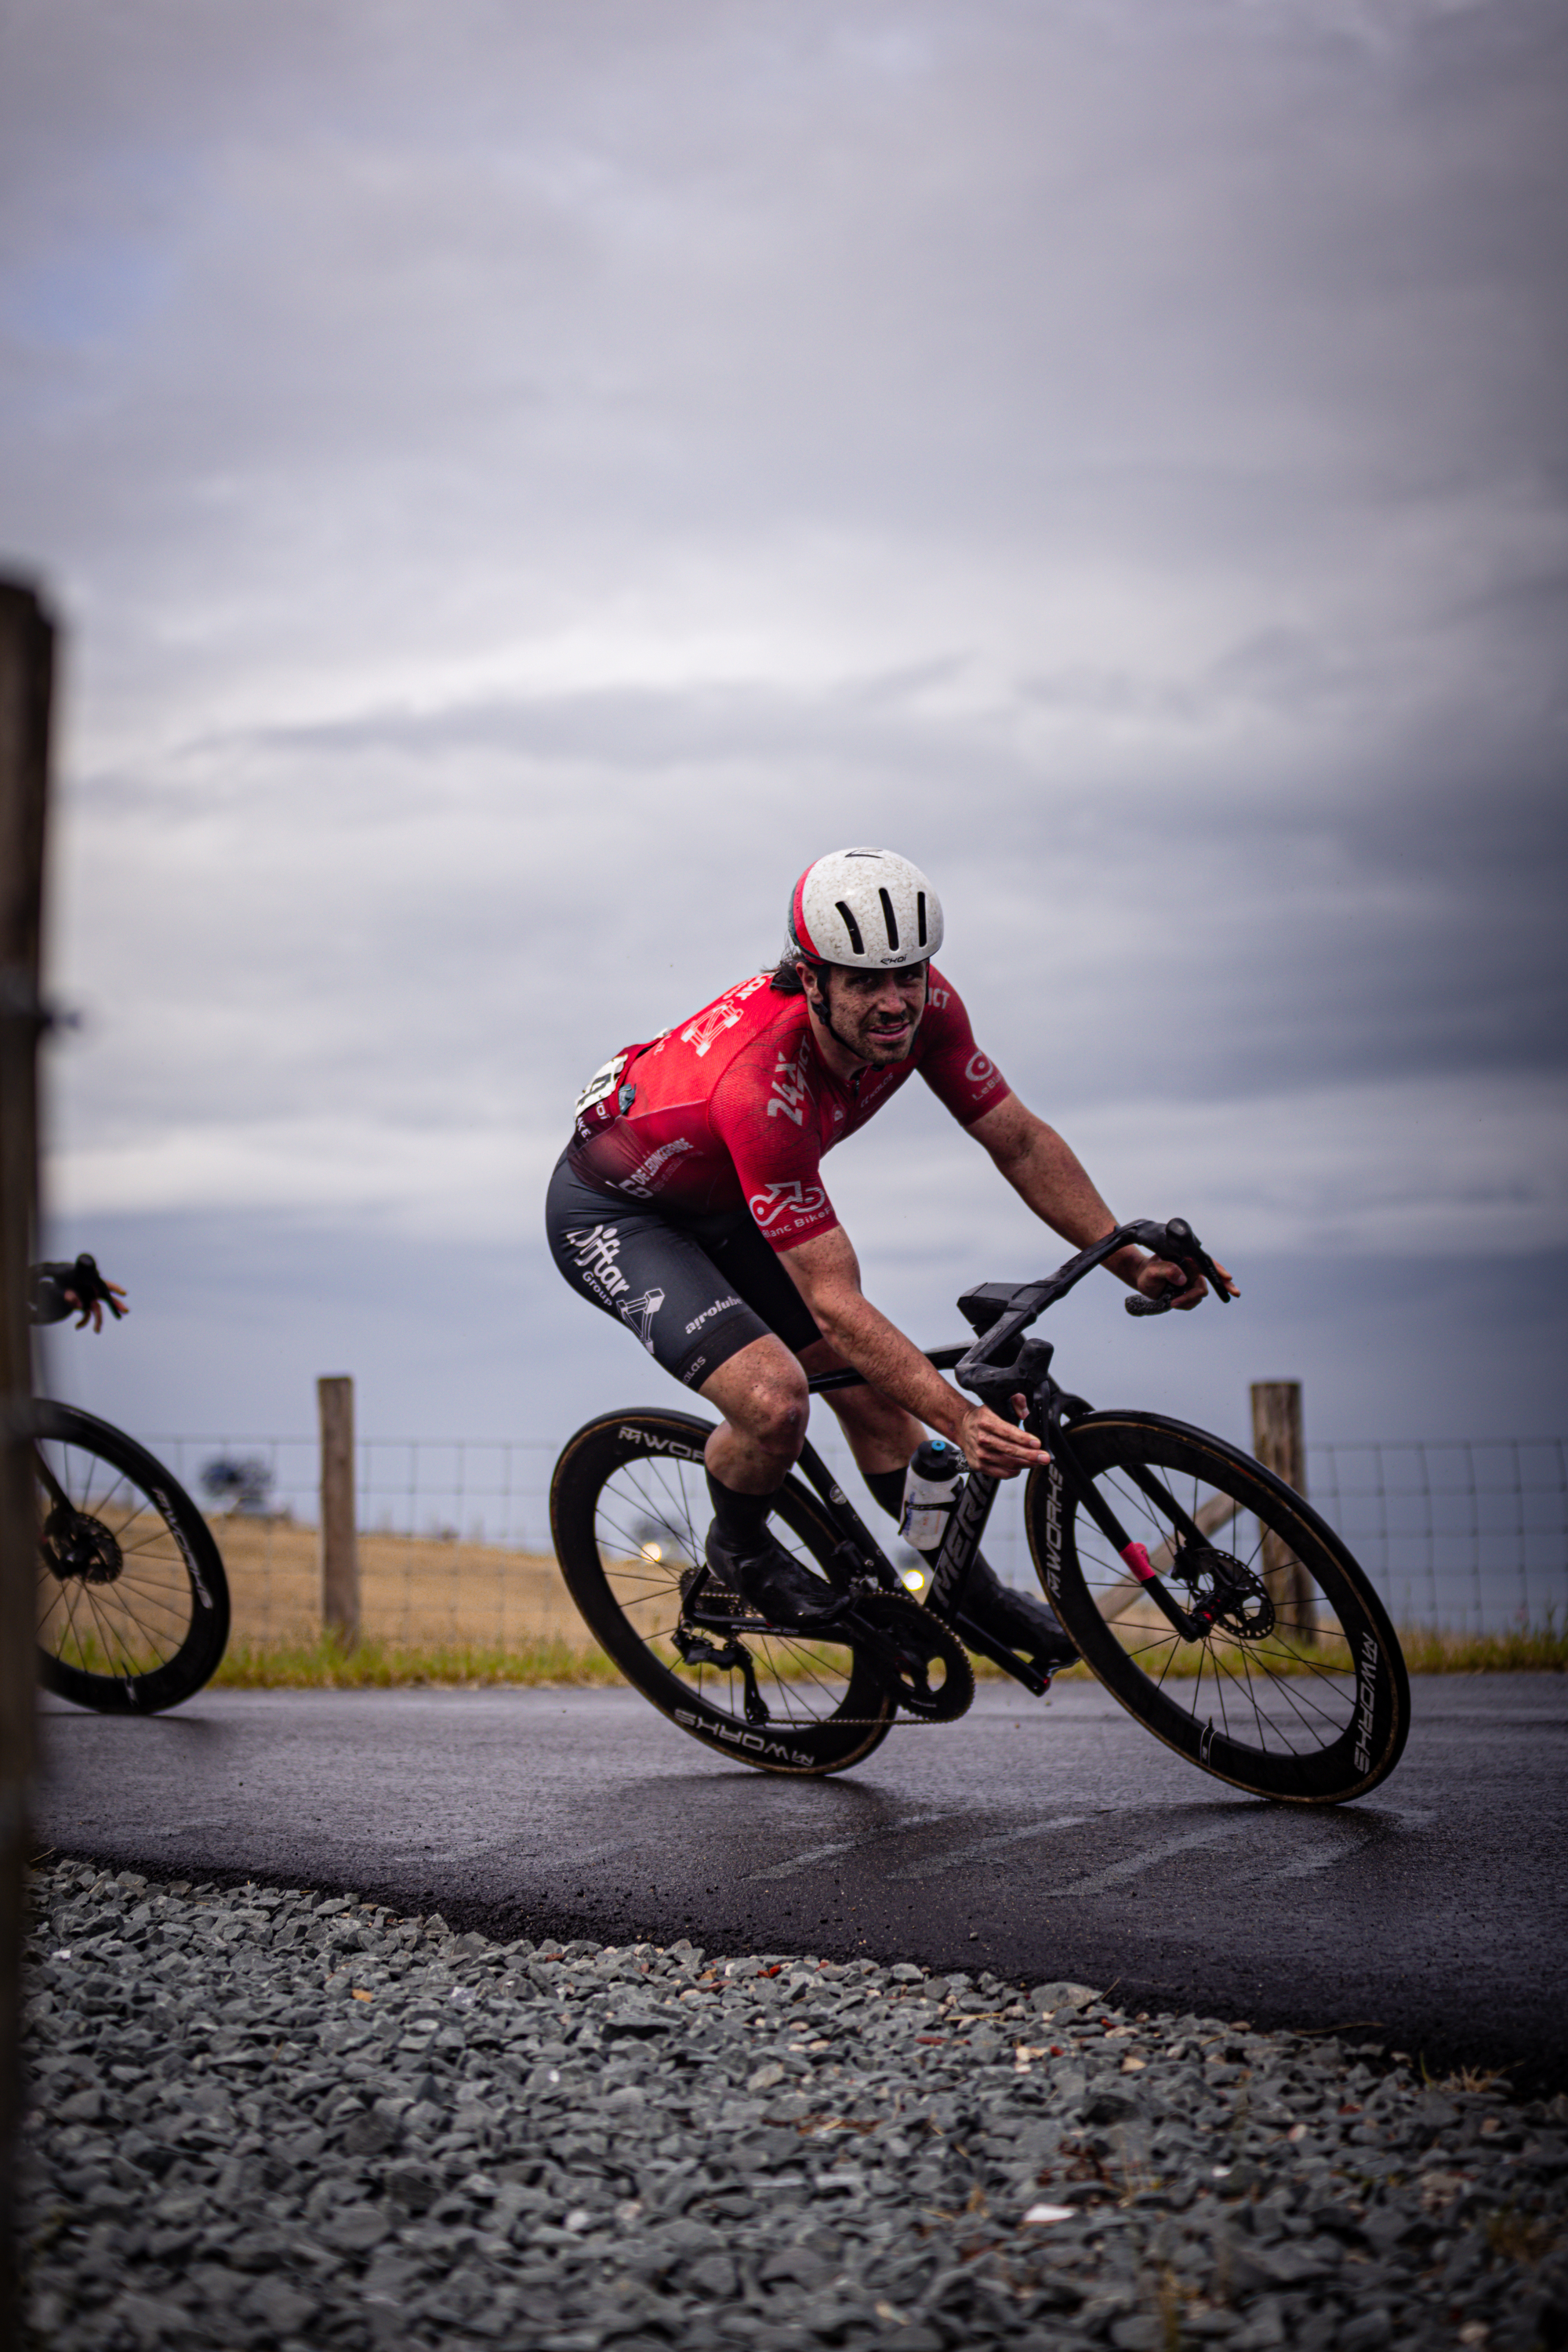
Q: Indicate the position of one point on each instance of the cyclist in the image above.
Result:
(689, 1205)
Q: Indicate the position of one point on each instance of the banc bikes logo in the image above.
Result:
(792, 1199)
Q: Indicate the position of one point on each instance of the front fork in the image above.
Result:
(1049, 1410)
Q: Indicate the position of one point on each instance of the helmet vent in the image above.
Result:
(857, 943)
(889, 918)
(921, 912)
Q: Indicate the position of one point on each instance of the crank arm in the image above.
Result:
(982, 1643)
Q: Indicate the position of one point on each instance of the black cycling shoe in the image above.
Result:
(1020, 1620)
(777, 1587)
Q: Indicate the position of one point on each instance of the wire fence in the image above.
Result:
(1459, 1537)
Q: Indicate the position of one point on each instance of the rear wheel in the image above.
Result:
(132, 1602)
(629, 1512)
(1297, 1690)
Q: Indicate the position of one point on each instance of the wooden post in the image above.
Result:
(340, 1543)
(1276, 1443)
(26, 673)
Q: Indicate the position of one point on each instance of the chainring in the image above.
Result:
(907, 1641)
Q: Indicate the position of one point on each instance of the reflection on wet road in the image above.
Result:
(1037, 1841)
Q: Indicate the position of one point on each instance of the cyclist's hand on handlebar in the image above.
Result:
(1158, 1275)
(86, 1292)
(90, 1310)
(998, 1446)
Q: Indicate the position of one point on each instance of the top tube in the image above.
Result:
(944, 1358)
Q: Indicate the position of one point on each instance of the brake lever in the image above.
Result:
(1176, 1241)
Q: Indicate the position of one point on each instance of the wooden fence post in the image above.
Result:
(27, 671)
(1276, 1443)
(340, 1542)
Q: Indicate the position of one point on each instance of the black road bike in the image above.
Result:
(1199, 1588)
(132, 1602)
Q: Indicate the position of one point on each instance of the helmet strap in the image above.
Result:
(822, 1006)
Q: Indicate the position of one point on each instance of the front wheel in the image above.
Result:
(133, 1605)
(630, 1511)
(1297, 1690)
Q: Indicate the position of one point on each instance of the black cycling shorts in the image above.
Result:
(695, 1290)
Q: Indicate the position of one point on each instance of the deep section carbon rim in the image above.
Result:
(1299, 1690)
(629, 1510)
(132, 1602)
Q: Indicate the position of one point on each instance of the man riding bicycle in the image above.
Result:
(690, 1203)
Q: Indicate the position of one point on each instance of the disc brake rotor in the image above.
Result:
(1226, 1595)
(76, 1546)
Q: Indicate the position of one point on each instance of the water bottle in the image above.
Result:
(931, 1487)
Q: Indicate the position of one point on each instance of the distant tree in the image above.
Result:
(237, 1482)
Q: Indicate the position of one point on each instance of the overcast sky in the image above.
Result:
(520, 480)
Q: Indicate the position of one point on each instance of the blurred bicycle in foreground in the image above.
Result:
(133, 1599)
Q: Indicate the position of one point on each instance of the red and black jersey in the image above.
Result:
(738, 1107)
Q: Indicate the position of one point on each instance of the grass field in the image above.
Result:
(418, 1594)
(440, 1611)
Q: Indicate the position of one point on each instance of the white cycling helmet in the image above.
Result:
(868, 907)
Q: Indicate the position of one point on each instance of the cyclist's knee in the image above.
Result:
(763, 1395)
(777, 1416)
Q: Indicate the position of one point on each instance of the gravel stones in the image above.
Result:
(267, 2118)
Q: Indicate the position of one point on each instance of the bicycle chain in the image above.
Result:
(906, 1718)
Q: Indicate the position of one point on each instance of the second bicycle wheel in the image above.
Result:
(1298, 1691)
(133, 1601)
(629, 1512)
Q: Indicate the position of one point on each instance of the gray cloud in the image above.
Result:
(522, 484)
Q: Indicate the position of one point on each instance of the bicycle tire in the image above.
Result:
(1312, 1711)
(133, 1604)
(628, 1512)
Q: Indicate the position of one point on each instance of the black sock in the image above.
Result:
(887, 1486)
(742, 1519)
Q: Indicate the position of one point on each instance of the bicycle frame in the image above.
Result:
(997, 1365)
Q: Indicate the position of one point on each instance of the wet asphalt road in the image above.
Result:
(1039, 1841)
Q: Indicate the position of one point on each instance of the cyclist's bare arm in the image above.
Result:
(1049, 1176)
(827, 1274)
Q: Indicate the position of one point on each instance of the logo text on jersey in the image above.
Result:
(791, 1094)
(790, 1199)
(600, 1082)
(708, 1312)
(639, 1313)
(710, 1026)
(640, 1183)
(596, 1253)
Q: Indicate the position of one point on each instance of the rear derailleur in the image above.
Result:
(730, 1657)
